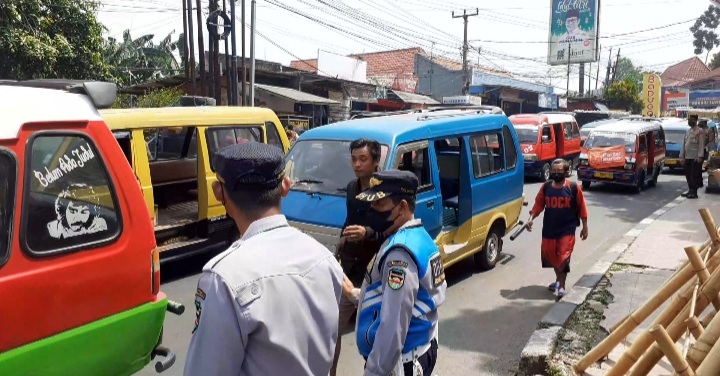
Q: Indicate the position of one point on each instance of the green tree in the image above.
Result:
(155, 98)
(624, 95)
(626, 70)
(51, 39)
(715, 61)
(704, 31)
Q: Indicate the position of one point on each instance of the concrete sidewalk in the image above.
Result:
(631, 274)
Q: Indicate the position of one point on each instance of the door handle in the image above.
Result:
(430, 204)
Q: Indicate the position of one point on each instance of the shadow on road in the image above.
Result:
(529, 293)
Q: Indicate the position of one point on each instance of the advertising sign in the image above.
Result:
(705, 98)
(673, 100)
(609, 157)
(462, 99)
(651, 95)
(547, 101)
(573, 31)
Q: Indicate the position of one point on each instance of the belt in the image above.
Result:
(415, 353)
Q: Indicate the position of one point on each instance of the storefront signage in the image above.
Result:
(462, 99)
(651, 94)
(705, 98)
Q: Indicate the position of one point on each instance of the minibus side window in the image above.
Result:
(273, 138)
(643, 143)
(69, 202)
(510, 150)
(218, 138)
(417, 162)
(575, 131)
(169, 143)
(8, 170)
(659, 137)
(487, 154)
(568, 131)
(546, 135)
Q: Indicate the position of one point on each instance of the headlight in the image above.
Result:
(530, 157)
(584, 162)
(629, 166)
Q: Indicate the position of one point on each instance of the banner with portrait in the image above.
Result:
(574, 32)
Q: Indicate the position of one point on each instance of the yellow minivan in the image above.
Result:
(171, 150)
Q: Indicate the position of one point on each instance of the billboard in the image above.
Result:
(676, 98)
(573, 31)
(342, 67)
(651, 92)
(705, 98)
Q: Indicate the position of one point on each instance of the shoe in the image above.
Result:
(685, 194)
(560, 293)
(692, 196)
(554, 286)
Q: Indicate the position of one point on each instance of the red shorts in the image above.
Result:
(555, 253)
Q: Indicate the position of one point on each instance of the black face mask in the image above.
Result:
(557, 177)
(380, 221)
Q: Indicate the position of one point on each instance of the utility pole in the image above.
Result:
(191, 44)
(228, 88)
(234, 72)
(581, 75)
(184, 42)
(567, 89)
(465, 15)
(607, 73)
(217, 79)
(201, 49)
(212, 5)
(597, 75)
(252, 54)
(617, 60)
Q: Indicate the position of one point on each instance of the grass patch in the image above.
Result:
(617, 267)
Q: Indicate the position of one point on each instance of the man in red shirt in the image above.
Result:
(565, 209)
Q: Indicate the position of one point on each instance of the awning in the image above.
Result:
(411, 97)
(295, 95)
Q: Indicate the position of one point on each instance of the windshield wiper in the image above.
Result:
(309, 181)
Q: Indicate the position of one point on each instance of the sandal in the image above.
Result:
(554, 286)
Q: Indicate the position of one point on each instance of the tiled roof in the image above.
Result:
(713, 74)
(685, 71)
(309, 65)
(390, 62)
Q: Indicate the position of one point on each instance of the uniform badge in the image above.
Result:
(198, 312)
(438, 271)
(399, 263)
(396, 278)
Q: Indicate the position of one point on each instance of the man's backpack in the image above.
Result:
(573, 190)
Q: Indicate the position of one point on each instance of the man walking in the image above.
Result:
(404, 287)
(565, 208)
(359, 243)
(692, 151)
(267, 305)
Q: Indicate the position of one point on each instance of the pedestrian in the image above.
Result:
(291, 135)
(268, 304)
(565, 208)
(692, 152)
(702, 124)
(404, 287)
(359, 242)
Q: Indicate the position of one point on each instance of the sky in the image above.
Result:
(510, 35)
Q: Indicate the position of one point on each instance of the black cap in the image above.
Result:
(250, 166)
(572, 13)
(693, 117)
(390, 182)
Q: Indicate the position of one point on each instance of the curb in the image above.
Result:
(541, 345)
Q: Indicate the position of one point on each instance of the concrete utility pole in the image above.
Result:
(617, 61)
(607, 73)
(233, 71)
(465, 16)
(252, 54)
(191, 44)
(201, 49)
(581, 74)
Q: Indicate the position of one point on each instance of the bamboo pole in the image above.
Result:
(694, 326)
(708, 294)
(667, 346)
(708, 318)
(711, 365)
(686, 274)
(710, 226)
(701, 347)
(705, 247)
(692, 314)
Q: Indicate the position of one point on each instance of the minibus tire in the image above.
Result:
(586, 184)
(482, 260)
(653, 183)
(545, 172)
(640, 183)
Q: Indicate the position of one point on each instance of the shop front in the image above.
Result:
(296, 107)
(513, 96)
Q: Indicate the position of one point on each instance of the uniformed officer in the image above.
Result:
(267, 305)
(397, 318)
(692, 152)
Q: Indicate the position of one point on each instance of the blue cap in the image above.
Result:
(388, 183)
(250, 166)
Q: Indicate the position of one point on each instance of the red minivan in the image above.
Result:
(546, 137)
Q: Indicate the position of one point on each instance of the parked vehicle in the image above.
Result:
(544, 138)
(587, 128)
(471, 181)
(79, 266)
(174, 167)
(674, 138)
(625, 152)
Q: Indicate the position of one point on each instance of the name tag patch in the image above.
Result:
(395, 263)
(437, 270)
(396, 278)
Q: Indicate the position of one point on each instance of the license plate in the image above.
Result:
(604, 175)
(671, 162)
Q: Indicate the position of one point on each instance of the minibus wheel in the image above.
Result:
(586, 184)
(640, 183)
(653, 183)
(489, 255)
(546, 172)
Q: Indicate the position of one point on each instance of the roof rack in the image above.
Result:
(481, 107)
(373, 114)
(431, 116)
(102, 94)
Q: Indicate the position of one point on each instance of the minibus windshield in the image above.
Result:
(675, 137)
(322, 166)
(527, 135)
(604, 140)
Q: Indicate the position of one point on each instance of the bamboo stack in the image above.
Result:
(695, 286)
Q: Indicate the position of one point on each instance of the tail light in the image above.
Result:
(155, 262)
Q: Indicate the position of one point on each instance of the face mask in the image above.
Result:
(557, 177)
(380, 221)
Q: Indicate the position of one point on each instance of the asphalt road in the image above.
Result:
(487, 317)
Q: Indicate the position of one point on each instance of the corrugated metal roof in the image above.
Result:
(295, 95)
(414, 98)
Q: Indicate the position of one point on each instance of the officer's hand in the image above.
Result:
(528, 225)
(354, 233)
(584, 233)
(347, 287)
(699, 160)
